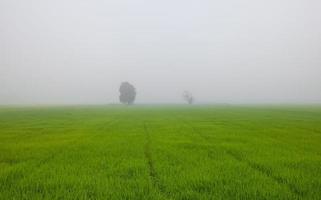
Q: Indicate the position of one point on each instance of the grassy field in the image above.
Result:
(160, 152)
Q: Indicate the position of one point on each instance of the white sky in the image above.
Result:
(78, 51)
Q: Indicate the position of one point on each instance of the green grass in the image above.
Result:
(160, 152)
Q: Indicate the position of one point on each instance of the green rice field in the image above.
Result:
(160, 152)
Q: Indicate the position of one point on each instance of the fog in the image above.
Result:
(78, 52)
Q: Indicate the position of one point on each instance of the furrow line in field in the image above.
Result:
(108, 125)
(148, 155)
(266, 172)
(105, 128)
(263, 170)
(204, 137)
(22, 172)
(34, 165)
(149, 158)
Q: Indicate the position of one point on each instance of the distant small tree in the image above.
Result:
(188, 97)
(127, 93)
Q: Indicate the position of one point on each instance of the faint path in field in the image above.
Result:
(202, 136)
(148, 155)
(261, 169)
(108, 126)
(150, 163)
(34, 164)
(26, 168)
(266, 172)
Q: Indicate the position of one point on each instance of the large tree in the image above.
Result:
(127, 93)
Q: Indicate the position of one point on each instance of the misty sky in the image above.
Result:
(234, 51)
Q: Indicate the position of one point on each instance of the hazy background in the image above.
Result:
(233, 51)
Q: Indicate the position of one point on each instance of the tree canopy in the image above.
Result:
(127, 93)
